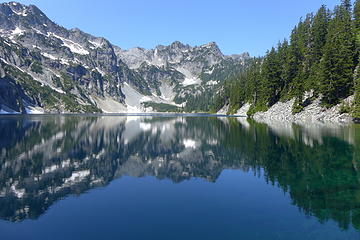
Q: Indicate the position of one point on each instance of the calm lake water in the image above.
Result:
(143, 177)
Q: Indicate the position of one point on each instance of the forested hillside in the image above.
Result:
(320, 60)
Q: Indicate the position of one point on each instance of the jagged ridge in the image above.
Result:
(83, 73)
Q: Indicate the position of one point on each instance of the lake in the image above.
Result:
(177, 177)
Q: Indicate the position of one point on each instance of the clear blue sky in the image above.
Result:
(235, 25)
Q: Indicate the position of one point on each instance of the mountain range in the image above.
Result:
(46, 68)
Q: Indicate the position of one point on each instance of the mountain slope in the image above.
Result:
(53, 69)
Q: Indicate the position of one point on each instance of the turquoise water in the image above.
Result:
(153, 177)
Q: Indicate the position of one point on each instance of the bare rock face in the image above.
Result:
(11, 96)
(82, 72)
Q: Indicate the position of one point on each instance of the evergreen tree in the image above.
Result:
(283, 52)
(356, 112)
(294, 62)
(357, 16)
(272, 77)
(356, 21)
(319, 30)
(338, 62)
(306, 49)
(253, 81)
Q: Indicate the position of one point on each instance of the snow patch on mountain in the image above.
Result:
(17, 32)
(100, 71)
(34, 110)
(190, 79)
(47, 55)
(96, 44)
(210, 71)
(212, 82)
(73, 46)
(22, 13)
(8, 112)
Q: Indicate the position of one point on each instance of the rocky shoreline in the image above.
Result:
(314, 112)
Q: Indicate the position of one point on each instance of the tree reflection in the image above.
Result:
(44, 159)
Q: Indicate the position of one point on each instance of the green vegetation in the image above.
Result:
(356, 111)
(345, 108)
(212, 99)
(322, 56)
(67, 82)
(51, 99)
(36, 67)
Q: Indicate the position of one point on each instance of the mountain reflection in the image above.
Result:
(44, 159)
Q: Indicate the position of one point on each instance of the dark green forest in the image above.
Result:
(321, 57)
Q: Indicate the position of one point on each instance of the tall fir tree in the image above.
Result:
(295, 60)
(338, 61)
(319, 30)
(307, 45)
(283, 52)
(356, 111)
(272, 76)
(357, 16)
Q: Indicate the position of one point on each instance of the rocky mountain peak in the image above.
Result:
(210, 45)
(179, 45)
(18, 7)
(96, 74)
(15, 15)
(13, 9)
(239, 57)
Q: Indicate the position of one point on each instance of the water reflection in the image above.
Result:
(44, 159)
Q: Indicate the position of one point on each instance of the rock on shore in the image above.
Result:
(282, 111)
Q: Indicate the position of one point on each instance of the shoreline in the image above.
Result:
(312, 113)
(127, 114)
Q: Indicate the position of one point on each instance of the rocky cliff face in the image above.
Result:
(61, 70)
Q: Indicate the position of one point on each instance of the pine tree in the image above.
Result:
(307, 52)
(253, 81)
(338, 62)
(346, 4)
(319, 30)
(272, 77)
(357, 16)
(294, 62)
(356, 21)
(356, 112)
(283, 52)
